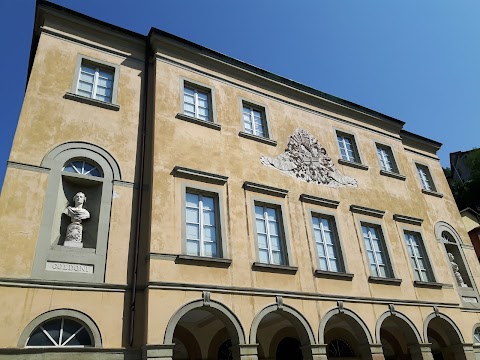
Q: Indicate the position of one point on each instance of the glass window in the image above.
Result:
(387, 161)
(196, 103)
(425, 178)
(82, 167)
(269, 235)
(418, 257)
(201, 225)
(254, 121)
(476, 335)
(327, 245)
(60, 332)
(348, 149)
(376, 252)
(95, 82)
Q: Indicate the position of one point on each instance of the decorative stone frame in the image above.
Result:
(267, 139)
(213, 122)
(469, 292)
(341, 310)
(434, 191)
(356, 164)
(370, 217)
(299, 322)
(47, 250)
(403, 228)
(72, 95)
(447, 319)
(78, 316)
(267, 200)
(343, 273)
(399, 315)
(396, 170)
(217, 194)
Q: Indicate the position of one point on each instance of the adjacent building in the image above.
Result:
(165, 201)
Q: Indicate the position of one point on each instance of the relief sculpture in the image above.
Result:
(307, 160)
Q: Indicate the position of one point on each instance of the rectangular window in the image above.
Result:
(271, 249)
(326, 239)
(376, 252)
(95, 82)
(348, 149)
(196, 103)
(254, 120)
(387, 161)
(201, 225)
(425, 178)
(418, 257)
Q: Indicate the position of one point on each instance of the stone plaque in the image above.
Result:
(68, 267)
(469, 299)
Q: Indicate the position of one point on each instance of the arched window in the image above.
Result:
(61, 328)
(338, 348)
(476, 335)
(60, 332)
(83, 168)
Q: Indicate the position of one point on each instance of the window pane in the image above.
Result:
(259, 212)
(193, 247)
(263, 256)
(261, 226)
(277, 258)
(272, 214)
(192, 216)
(38, 338)
(323, 264)
(192, 231)
(273, 227)
(52, 327)
(192, 200)
(262, 241)
(209, 234)
(209, 218)
(275, 243)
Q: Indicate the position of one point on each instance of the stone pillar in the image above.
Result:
(421, 351)
(372, 352)
(245, 352)
(462, 351)
(158, 352)
(314, 352)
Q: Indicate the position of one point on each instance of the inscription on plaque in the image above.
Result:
(68, 267)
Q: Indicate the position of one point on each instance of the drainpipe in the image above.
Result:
(141, 191)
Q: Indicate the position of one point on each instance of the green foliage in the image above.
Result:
(467, 193)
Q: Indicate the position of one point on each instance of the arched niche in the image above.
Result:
(58, 314)
(75, 168)
(457, 263)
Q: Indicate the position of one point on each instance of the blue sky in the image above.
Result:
(418, 61)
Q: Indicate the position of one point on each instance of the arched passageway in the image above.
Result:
(204, 330)
(345, 335)
(445, 338)
(398, 336)
(282, 333)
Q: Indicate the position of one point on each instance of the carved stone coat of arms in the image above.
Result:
(307, 160)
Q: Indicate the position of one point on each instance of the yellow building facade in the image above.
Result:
(164, 201)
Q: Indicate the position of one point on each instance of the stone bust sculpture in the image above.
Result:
(77, 213)
(457, 274)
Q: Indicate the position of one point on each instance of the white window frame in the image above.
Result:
(96, 78)
(426, 274)
(97, 65)
(252, 109)
(355, 158)
(425, 177)
(196, 91)
(335, 240)
(281, 235)
(383, 250)
(201, 224)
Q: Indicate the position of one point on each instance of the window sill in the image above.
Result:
(393, 175)
(427, 284)
(193, 120)
(257, 138)
(386, 281)
(203, 261)
(353, 164)
(333, 275)
(432, 193)
(85, 100)
(282, 269)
